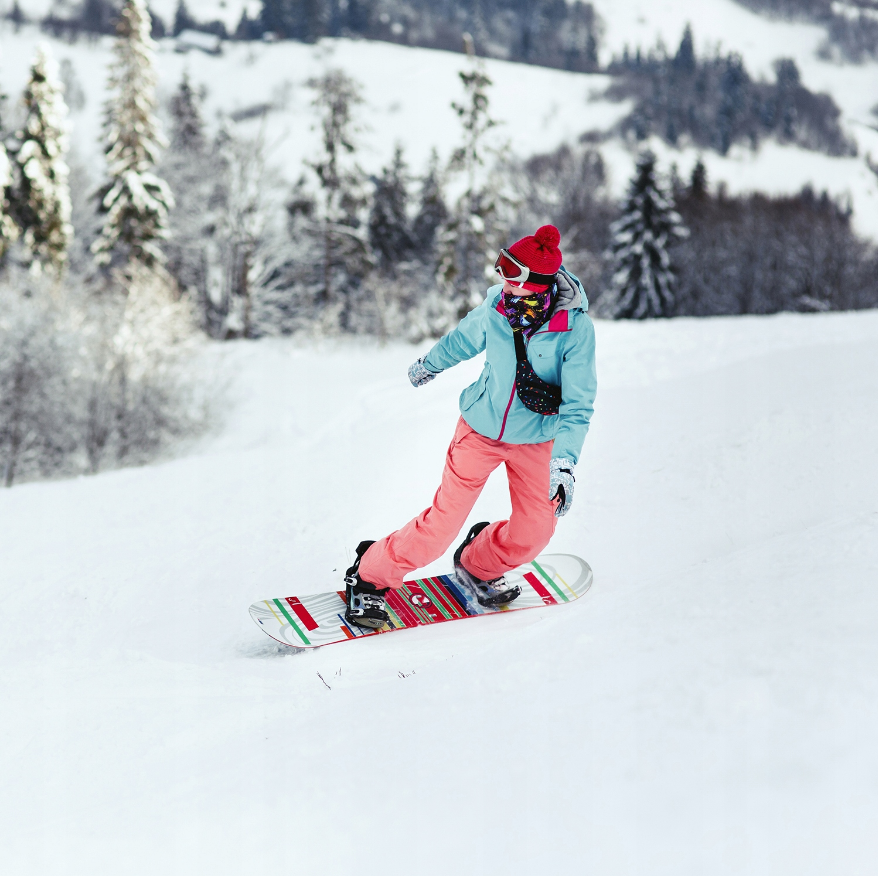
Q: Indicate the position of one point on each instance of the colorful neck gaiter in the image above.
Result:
(526, 313)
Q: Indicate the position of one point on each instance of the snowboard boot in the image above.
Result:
(365, 601)
(495, 592)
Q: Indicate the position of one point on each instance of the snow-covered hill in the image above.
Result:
(408, 96)
(710, 707)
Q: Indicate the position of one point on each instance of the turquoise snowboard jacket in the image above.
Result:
(562, 352)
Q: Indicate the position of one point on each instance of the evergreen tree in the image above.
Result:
(305, 20)
(579, 36)
(187, 125)
(390, 234)
(643, 280)
(248, 28)
(698, 180)
(470, 238)
(789, 83)
(42, 203)
(288, 298)
(136, 201)
(192, 171)
(684, 60)
(97, 16)
(35, 411)
(432, 211)
(734, 85)
(315, 274)
(237, 243)
(342, 246)
(8, 228)
(183, 20)
(16, 16)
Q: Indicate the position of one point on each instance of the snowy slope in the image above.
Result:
(710, 707)
(760, 40)
(408, 94)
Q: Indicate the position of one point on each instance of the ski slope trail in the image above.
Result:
(711, 707)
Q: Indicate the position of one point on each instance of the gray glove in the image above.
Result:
(419, 374)
(561, 482)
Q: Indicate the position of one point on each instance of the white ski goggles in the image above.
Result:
(517, 274)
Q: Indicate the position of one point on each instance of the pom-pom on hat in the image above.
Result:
(539, 252)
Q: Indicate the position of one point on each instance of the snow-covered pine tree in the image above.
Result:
(643, 279)
(8, 228)
(470, 238)
(698, 180)
(42, 203)
(427, 312)
(193, 172)
(285, 298)
(684, 61)
(187, 125)
(16, 16)
(183, 20)
(136, 201)
(580, 37)
(390, 234)
(432, 211)
(343, 248)
(241, 206)
(34, 400)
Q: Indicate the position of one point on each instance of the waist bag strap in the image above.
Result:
(535, 394)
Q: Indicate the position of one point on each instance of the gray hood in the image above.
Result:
(570, 293)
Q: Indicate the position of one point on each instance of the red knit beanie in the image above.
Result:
(540, 253)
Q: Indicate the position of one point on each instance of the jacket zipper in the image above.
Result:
(506, 414)
(511, 396)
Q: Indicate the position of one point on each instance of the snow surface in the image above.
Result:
(408, 94)
(711, 705)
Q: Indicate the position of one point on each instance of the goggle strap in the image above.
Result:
(532, 276)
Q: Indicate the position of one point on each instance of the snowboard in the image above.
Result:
(312, 621)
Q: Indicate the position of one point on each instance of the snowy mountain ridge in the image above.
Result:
(409, 92)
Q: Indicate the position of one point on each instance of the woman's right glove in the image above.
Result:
(419, 374)
(561, 482)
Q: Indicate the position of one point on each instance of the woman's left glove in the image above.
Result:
(561, 482)
(419, 374)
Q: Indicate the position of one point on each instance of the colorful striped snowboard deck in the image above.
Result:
(312, 621)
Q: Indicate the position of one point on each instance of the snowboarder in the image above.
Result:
(530, 409)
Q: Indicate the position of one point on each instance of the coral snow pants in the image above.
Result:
(497, 548)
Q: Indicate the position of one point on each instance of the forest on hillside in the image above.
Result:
(851, 25)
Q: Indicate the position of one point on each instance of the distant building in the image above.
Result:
(208, 43)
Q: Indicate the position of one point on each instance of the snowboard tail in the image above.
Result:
(318, 619)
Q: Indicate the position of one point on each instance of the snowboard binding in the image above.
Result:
(365, 601)
(488, 593)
